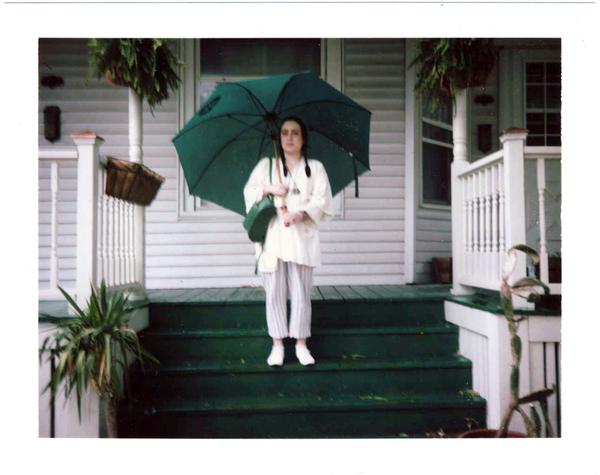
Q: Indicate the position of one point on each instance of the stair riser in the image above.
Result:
(361, 383)
(324, 315)
(374, 423)
(172, 349)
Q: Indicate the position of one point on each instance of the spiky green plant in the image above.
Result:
(531, 289)
(93, 348)
(447, 65)
(146, 65)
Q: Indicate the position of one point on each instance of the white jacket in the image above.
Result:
(298, 242)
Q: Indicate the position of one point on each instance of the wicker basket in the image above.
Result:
(131, 182)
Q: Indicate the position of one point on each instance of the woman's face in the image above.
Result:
(291, 137)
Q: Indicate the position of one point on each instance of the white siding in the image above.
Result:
(364, 247)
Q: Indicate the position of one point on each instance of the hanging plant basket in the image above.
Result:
(131, 182)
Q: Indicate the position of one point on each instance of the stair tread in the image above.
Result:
(246, 332)
(354, 361)
(315, 402)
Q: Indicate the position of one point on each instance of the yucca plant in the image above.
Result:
(447, 65)
(146, 65)
(531, 289)
(93, 348)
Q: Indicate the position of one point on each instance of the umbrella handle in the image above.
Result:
(283, 206)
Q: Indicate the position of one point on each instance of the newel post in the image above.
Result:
(136, 156)
(459, 164)
(513, 146)
(88, 173)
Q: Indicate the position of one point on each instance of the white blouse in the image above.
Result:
(298, 242)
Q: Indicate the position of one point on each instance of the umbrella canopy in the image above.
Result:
(220, 146)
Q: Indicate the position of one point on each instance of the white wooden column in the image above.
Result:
(136, 155)
(513, 145)
(459, 163)
(88, 170)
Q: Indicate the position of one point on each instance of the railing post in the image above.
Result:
(513, 145)
(459, 163)
(136, 155)
(88, 167)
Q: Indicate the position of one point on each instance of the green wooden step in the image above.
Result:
(286, 415)
(254, 344)
(216, 379)
(193, 316)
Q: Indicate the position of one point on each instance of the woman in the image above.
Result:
(291, 249)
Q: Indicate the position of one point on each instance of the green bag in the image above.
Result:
(258, 218)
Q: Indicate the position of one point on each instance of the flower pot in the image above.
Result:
(131, 182)
(488, 434)
(442, 270)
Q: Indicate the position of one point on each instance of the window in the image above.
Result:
(542, 103)
(436, 154)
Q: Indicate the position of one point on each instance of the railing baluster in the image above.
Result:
(480, 215)
(541, 185)
(501, 217)
(54, 226)
(465, 220)
(100, 244)
(487, 222)
(122, 279)
(494, 267)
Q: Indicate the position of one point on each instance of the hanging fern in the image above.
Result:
(146, 65)
(448, 65)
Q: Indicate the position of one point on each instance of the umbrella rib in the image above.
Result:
(255, 100)
(213, 158)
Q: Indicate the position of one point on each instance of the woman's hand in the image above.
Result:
(293, 218)
(276, 189)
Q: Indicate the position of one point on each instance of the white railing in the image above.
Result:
(542, 156)
(491, 212)
(109, 230)
(116, 239)
(57, 158)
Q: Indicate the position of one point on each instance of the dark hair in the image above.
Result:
(304, 150)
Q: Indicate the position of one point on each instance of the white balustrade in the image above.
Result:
(57, 157)
(492, 208)
(107, 228)
(116, 241)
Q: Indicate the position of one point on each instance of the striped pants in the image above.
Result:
(297, 279)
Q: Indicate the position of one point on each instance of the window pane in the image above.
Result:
(436, 174)
(553, 73)
(535, 123)
(442, 113)
(535, 140)
(259, 56)
(535, 72)
(553, 140)
(553, 97)
(553, 121)
(437, 133)
(535, 97)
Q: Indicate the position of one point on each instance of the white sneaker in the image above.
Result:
(304, 356)
(276, 356)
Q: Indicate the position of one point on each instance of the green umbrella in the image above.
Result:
(236, 127)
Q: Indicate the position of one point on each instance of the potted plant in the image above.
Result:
(448, 65)
(531, 289)
(94, 348)
(148, 67)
